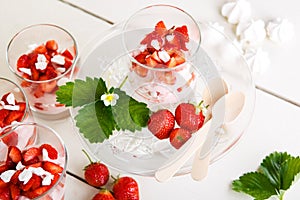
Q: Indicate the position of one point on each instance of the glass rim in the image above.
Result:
(14, 126)
(27, 110)
(70, 69)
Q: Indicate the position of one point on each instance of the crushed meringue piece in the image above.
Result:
(164, 56)
(280, 30)
(48, 179)
(11, 99)
(143, 47)
(26, 71)
(155, 44)
(237, 11)
(20, 166)
(25, 175)
(58, 59)
(252, 32)
(11, 107)
(258, 61)
(61, 69)
(169, 37)
(6, 176)
(41, 62)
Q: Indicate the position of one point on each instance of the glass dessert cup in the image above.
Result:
(43, 56)
(140, 152)
(161, 40)
(14, 104)
(47, 172)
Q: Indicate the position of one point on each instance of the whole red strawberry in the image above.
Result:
(179, 136)
(126, 188)
(189, 116)
(96, 173)
(103, 194)
(161, 123)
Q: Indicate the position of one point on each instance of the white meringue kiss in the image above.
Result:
(280, 30)
(237, 11)
(258, 61)
(252, 32)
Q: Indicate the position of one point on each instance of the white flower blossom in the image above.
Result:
(110, 99)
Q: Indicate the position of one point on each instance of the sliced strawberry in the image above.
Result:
(67, 54)
(183, 32)
(22, 106)
(31, 154)
(3, 185)
(14, 153)
(3, 114)
(35, 165)
(68, 63)
(4, 98)
(160, 28)
(52, 152)
(179, 136)
(52, 45)
(38, 92)
(39, 106)
(23, 61)
(5, 193)
(37, 192)
(14, 115)
(41, 49)
(11, 139)
(35, 75)
(47, 87)
(141, 57)
(15, 192)
(3, 167)
(26, 83)
(50, 73)
(150, 61)
(172, 63)
(141, 71)
(178, 58)
(34, 181)
(52, 167)
(15, 178)
(32, 58)
(55, 179)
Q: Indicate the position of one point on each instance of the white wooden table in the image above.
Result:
(275, 124)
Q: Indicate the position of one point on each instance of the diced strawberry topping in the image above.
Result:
(52, 153)
(14, 154)
(31, 154)
(52, 167)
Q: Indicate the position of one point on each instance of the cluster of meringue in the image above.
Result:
(251, 33)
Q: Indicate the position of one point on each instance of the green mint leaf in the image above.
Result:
(81, 92)
(271, 167)
(64, 94)
(95, 121)
(128, 113)
(289, 171)
(255, 184)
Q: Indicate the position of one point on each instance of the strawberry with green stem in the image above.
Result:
(189, 116)
(96, 174)
(103, 194)
(125, 188)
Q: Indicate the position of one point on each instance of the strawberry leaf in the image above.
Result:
(255, 184)
(95, 121)
(129, 113)
(81, 92)
(271, 167)
(275, 175)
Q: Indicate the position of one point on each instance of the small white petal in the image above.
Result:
(58, 59)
